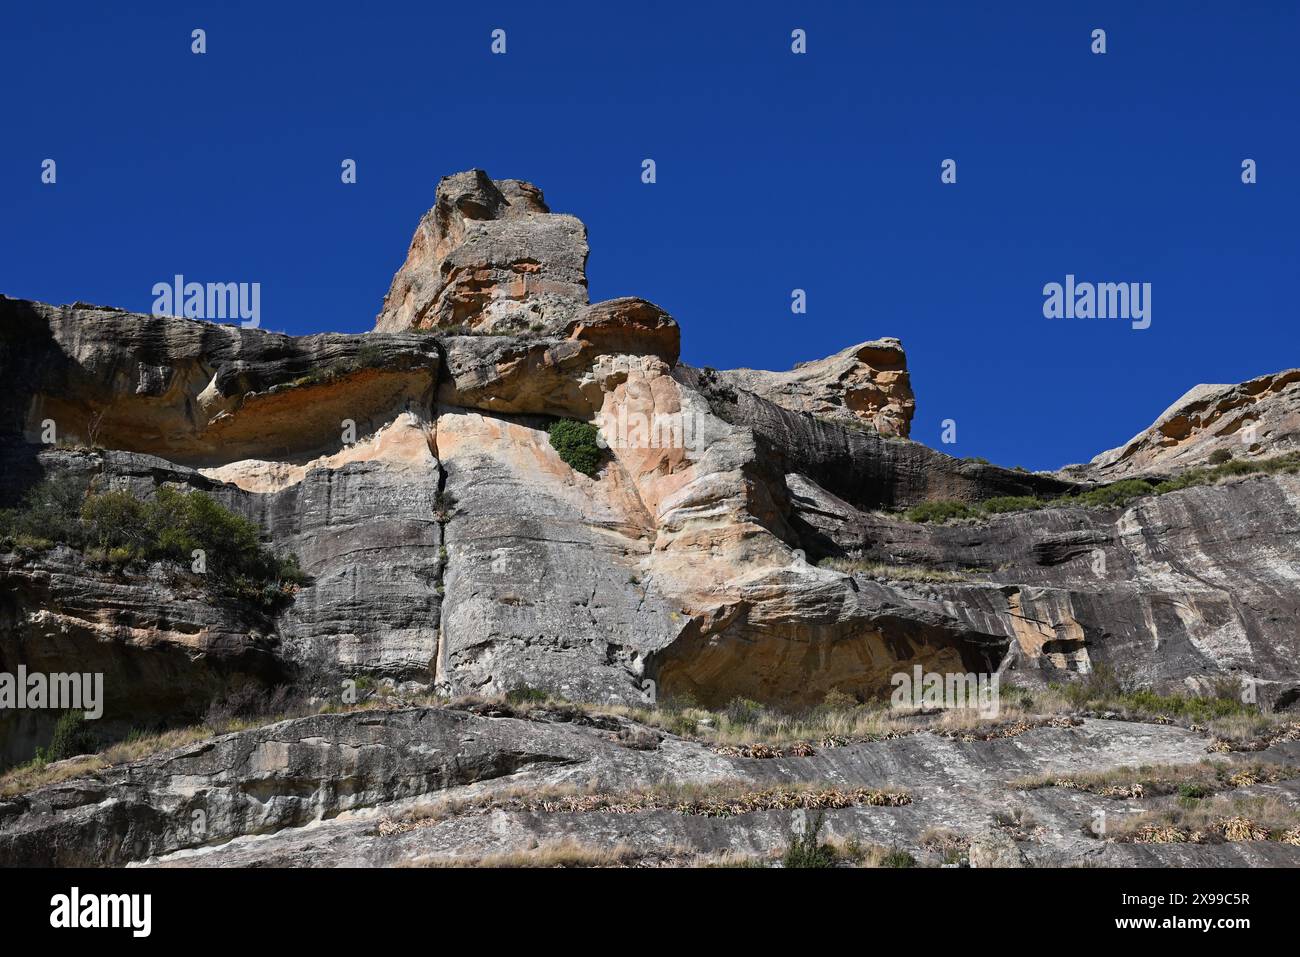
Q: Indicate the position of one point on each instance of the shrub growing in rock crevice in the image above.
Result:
(576, 444)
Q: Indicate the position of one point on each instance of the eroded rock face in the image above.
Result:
(492, 256)
(865, 468)
(864, 384)
(545, 565)
(1259, 418)
(449, 548)
(325, 791)
(199, 393)
(447, 543)
(1170, 592)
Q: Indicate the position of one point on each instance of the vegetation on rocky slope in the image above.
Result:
(1185, 780)
(1113, 495)
(186, 528)
(1215, 820)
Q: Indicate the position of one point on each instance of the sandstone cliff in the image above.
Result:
(742, 537)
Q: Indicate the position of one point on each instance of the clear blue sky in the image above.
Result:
(775, 171)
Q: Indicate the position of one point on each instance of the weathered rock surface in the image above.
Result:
(313, 791)
(199, 393)
(1258, 418)
(866, 383)
(490, 255)
(447, 544)
(859, 465)
(1168, 591)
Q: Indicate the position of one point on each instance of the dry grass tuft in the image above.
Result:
(563, 852)
(1213, 821)
(716, 799)
(35, 774)
(1188, 780)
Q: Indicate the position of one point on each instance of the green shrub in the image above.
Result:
(898, 858)
(742, 711)
(525, 694)
(1101, 684)
(807, 850)
(1102, 690)
(1289, 462)
(1115, 495)
(72, 736)
(837, 700)
(116, 527)
(50, 511)
(575, 442)
(939, 511)
(683, 725)
(1219, 456)
(1012, 503)
(116, 520)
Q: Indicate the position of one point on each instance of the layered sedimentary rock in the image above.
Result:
(199, 393)
(865, 468)
(867, 383)
(1170, 592)
(492, 256)
(1258, 418)
(368, 788)
(447, 545)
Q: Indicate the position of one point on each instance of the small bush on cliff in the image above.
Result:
(119, 528)
(575, 442)
(1012, 503)
(50, 512)
(116, 520)
(743, 711)
(1219, 456)
(940, 511)
(807, 850)
(898, 858)
(1290, 462)
(526, 694)
(72, 736)
(1114, 495)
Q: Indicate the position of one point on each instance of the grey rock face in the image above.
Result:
(314, 792)
(860, 466)
(544, 582)
(1173, 589)
(489, 254)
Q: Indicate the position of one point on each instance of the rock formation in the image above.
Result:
(490, 255)
(1253, 419)
(866, 383)
(449, 549)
